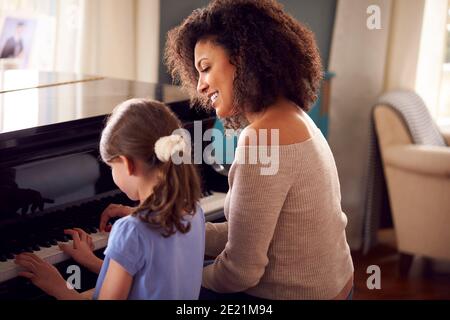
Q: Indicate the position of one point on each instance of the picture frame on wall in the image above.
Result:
(16, 41)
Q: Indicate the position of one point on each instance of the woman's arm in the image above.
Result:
(255, 204)
(216, 238)
(117, 283)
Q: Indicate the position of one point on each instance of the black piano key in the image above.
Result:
(69, 225)
(45, 244)
(206, 193)
(47, 230)
(31, 239)
(28, 249)
(18, 250)
(91, 229)
(59, 237)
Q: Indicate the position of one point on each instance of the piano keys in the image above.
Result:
(51, 176)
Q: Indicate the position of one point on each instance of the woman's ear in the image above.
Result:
(129, 164)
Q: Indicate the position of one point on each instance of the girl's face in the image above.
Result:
(122, 177)
(216, 76)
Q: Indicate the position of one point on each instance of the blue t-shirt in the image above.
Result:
(162, 268)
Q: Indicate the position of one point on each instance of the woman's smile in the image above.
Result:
(216, 76)
(214, 97)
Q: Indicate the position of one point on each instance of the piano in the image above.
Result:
(51, 176)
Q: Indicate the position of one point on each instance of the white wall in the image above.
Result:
(147, 50)
(358, 57)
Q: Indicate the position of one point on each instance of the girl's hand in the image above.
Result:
(81, 249)
(112, 211)
(42, 274)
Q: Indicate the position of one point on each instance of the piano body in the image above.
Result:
(51, 177)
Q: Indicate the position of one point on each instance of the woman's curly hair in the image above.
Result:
(273, 53)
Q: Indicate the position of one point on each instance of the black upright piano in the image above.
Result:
(51, 177)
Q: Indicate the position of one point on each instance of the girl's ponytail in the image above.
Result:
(175, 196)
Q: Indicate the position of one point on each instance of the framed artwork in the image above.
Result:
(16, 40)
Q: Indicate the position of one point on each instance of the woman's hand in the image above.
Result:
(81, 250)
(44, 275)
(112, 211)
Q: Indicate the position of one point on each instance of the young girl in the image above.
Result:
(157, 251)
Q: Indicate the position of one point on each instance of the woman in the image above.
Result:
(285, 233)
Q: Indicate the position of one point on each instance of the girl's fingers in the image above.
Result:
(26, 274)
(113, 210)
(107, 214)
(30, 256)
(26, 263)
(91, 244)
(81, 233)
(75, 237)
(67, 248)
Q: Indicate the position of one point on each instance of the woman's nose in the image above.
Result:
(202, 86)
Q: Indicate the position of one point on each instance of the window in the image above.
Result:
(444, 99)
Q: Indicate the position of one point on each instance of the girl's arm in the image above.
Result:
(117, 283)
(88, 294)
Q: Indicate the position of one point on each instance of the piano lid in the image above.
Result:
(52, 116)
(13, 80)
(53, 98)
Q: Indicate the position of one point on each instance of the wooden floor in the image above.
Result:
(428, 281)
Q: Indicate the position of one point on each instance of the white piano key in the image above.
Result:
(213, 204)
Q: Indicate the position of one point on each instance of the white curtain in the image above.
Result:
(432, 53)
(417, 47)
(113, 38)
(107, 38)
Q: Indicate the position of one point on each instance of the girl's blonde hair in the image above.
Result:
(132, 131)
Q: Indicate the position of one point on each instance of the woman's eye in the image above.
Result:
(205, 69)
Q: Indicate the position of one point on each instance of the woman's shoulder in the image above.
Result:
(283, 130)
